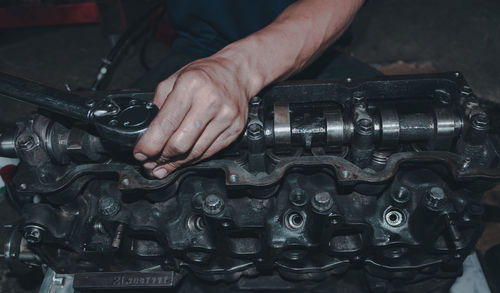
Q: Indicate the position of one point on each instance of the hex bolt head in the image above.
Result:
(298, 197)
(322, 201)
(33, 234)
(109, 206)
(26, 142)
(213, 205)
(254, 131)
(364, 127)
(435, 198)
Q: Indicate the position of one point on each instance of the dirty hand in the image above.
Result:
(203, 108)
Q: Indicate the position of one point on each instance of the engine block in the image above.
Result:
(359, 185)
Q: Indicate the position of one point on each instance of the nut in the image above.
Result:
(108, 206)
(213, 205)
(322, 201)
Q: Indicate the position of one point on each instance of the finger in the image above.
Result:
(203, 143)
(224, 140)
(208, 144)
(189, 132)
(161, 128)
(225, 118)
(163, 89)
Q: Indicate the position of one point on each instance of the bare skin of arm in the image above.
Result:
(203, 106)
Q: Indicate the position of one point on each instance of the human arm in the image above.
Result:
(203, 106)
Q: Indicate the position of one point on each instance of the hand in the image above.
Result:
(203, 108)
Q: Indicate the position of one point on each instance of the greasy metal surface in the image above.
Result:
(398, 195)
(282, 130)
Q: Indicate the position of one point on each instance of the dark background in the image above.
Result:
(399, 36)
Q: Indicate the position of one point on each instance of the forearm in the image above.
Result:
(204, 105)
(300, 34)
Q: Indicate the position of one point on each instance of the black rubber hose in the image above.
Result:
(130, 36)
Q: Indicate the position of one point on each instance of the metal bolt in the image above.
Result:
(117, 239)
(255, 131)
(364, 127)
(108, 206)
(125, 181)
(298, 197)
(26, 142)
(33, 234)
(213, 204)
(465, 164)
(435, 198)
(401, 196)
(322, 201)
(345, 174)
(233, 178)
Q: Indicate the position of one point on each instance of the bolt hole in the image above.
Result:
(295, 220)
(394, 218)
(196, 223)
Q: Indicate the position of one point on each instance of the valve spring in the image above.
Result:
(380, 158)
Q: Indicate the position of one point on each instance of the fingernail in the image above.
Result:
(140, 156)
(160, 173)
(150, 165)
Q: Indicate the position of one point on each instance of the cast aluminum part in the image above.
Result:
(360, 185)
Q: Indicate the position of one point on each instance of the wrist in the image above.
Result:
(242, 55)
